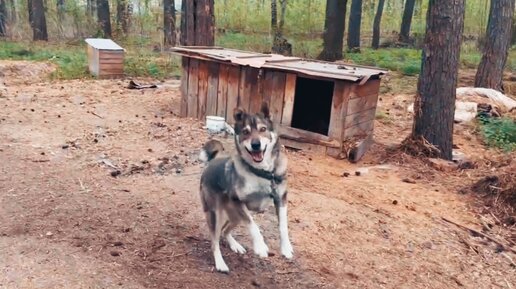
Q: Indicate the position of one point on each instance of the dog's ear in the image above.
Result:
(238, 114)
(265, 110)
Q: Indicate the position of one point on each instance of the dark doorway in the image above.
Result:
(312, 105)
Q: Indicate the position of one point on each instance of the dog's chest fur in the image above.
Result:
(255, 191)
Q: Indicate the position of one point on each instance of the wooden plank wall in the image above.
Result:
(203, 89)
(193, 87)
(110, 63)
(361, 109)
(339, 109)
(213, 87)
(233, 89)
(184, 87)
(274, 93)
(222, 91)
(288, 103)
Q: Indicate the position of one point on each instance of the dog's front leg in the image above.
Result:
(281, 212)
(260, 248)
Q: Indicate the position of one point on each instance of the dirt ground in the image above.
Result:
(98, 189)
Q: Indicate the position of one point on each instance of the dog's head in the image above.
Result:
(255, 136)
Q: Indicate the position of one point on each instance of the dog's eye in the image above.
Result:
(263, 129)
(245, 131)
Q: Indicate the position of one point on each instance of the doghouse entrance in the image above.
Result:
(312, 105)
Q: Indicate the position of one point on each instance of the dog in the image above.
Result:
(249, 180)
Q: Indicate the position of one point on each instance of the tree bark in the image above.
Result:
(169, 22)
(197, 22)
(274, 17)
(355, 19)
(280, 44)
(376, 24)
(434, 106)
(12, 12)
(122, 16)
(3, 18)
(497, 44)
(283, 4)
(91, 8)
(406, 21)
(38, 20)
(334, 27)
(104, 17)
(60, 5)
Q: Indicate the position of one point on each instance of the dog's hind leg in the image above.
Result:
(216, 222)
(233, 244)
(281, 212)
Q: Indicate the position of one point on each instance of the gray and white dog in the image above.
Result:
(249, 180)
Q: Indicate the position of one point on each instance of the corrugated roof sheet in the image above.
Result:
(280, 62)
(105, 44)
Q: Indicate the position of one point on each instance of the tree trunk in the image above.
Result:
(104, 17)
(197, 22)
(355, 19)
(334, 27)
(12, 12)
(497, 44)
(282, 17)
(38, 20)
(280, 44)
(29, 10)
(406, 21)
(169, 22)
(91, 8)
(122, 16)
(513, 37)
(434, 106)
(274, 18)
(3, 18)
(376, 24)
(60, 5)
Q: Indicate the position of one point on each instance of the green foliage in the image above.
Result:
(307, 16)
(404, 60)
(71, 60)
(72, 63)
(499, 132)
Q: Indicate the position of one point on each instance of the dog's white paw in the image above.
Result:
(287, 250)
(221, 267)
(261, 249)
(236, 247)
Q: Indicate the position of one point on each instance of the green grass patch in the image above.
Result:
(499, 133)
(72, 62)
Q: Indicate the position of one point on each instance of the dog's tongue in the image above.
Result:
(257, 156)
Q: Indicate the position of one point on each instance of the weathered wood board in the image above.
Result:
(193, 88)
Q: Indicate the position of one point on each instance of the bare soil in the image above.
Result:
(98, 189)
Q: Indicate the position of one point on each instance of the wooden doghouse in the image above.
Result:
(105, 58)
(329, 105)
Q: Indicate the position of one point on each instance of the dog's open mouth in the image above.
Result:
(256, 155)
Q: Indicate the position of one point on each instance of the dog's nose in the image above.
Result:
(255, 144)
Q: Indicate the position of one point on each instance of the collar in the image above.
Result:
(264, 174)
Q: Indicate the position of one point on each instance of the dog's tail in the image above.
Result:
(210, 150)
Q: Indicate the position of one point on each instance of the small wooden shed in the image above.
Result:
(105, 58)
(326, 106)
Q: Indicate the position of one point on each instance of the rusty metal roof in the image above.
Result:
(279, 62)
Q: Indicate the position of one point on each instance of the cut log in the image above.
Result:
(359, 148)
